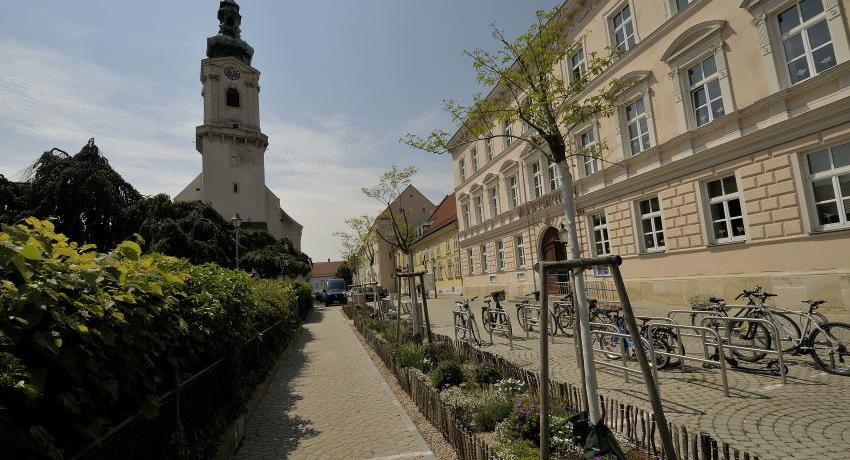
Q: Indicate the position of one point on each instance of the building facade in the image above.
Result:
(231, 144)
(321, 272)
(728, 164)
(436, 251)
(417, 208)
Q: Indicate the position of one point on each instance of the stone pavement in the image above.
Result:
(329, 402)
(807, 418)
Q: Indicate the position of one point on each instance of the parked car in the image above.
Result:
(333, 291)
(369, 292)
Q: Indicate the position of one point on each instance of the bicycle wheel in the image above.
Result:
(789, 331)
(610, 346)
(566, 319)
(672, 344)
(473, 330)
(830, 348)
(486, 320)
(521, 318)
(751, 335)
(661, 361)
(553, 324)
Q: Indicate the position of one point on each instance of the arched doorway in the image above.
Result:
(553, 249)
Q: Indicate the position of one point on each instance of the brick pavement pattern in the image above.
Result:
(807, 418)
(328, 401)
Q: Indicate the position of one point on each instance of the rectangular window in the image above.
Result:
(494, 201)
(474, 158)
(513, 192)
(806, 40)
(235, 187)
(578, 65)
(554, 178)
(457, 263)
(587, 141)
(500, 255)
(651, 226)
(601, 244)
(537, 179)
(465, 211)
(624, 29)
(469, 260)
(727, 219)
(234, 161)
(461, 167)
(488, 148)
(506, 129)
(706, 96)
(637, 127)
(829, 174)
(519, 248)
(484, 258)
(479, 210)
(682, 4)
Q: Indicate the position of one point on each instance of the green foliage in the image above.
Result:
(345, 272)
(447, 374)
(510, 387)
(397, 228)
(486, 375)
(12, 199)
(411, 355)
(440, 352)
(494, 408)
(276, 260)
(517, 449)
(87, 339)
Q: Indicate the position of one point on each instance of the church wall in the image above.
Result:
(222, 171)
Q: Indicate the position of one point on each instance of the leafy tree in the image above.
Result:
(358, 246)
(530, 89)
(393, 225)
(12, 199)
(277, 260)
(82, 192)
(345, 272)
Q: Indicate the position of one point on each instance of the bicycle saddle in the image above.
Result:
(814, 304)
(713, 299)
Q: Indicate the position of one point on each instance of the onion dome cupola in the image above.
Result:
(228, 42)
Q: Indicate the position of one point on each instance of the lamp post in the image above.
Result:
(237, 222)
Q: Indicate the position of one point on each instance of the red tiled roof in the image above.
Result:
(321, 269)
(445, 214)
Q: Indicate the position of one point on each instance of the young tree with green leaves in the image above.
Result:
(393, 225)
(358, 247)
(529, 88)
(345, 272)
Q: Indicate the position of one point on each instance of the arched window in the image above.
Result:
(232, 97)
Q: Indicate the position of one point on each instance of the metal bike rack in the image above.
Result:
(500, 322)
(704, 331)
(465, 318)
(729, 346)
(531, 313)
(623, 354)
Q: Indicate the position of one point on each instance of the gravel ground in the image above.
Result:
(442, 450)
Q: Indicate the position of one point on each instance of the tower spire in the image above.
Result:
(228, 42)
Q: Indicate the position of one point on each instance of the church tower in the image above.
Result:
(230, 142)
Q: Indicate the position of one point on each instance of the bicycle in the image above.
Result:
(564, 314)
(467, 325)
(496, 319)
(528, 314)
(659, 340)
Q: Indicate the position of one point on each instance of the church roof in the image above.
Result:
(228, 42)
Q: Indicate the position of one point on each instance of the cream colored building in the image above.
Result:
(417, 207)
(231, 144)
(727, 166)
(436, 251)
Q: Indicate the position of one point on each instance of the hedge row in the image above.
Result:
(88, 338)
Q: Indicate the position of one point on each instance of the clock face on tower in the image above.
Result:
(232, 72)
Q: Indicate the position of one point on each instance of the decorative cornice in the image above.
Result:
(697, 33)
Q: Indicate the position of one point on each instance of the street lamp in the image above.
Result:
(237, 222)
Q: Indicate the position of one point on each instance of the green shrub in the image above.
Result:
(494, 408)
(88, 339)
(510, 387)
(561, 437)
(440, 352)
(447, 374)
(524, 420)
(411, 355)
(517, 449)
(486, 375)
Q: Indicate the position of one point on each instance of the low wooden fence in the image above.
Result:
(634, 423)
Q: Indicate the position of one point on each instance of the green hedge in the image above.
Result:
(87, 339)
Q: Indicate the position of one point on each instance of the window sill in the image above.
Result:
(654, 251)
(837, 228)
(726, 243)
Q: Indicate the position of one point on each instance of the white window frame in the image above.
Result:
(644, 133)
(604, 234)
(703, 84)
(484, 261)
(488, 147)
(507, 131)
(519, 251)
(500, 255)
(708, 201)
(651, 216)
(536, 172)
(467, 217)
(473, 156)
(461, 167)
(612, 29)
(673, 6)
(478, 205)
(493, 198)
(554, 177)
(833, 174)
(807, 49)
(577, 63)
(471, 261)
(590, 165)
(513, 191)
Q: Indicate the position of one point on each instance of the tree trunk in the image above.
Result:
(414, 305)
(580, 296)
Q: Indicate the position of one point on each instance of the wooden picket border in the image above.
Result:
(634, 423)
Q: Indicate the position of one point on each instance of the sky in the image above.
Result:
(341, 82)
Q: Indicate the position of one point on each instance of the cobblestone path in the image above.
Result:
(329, 402)
(807, 418)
